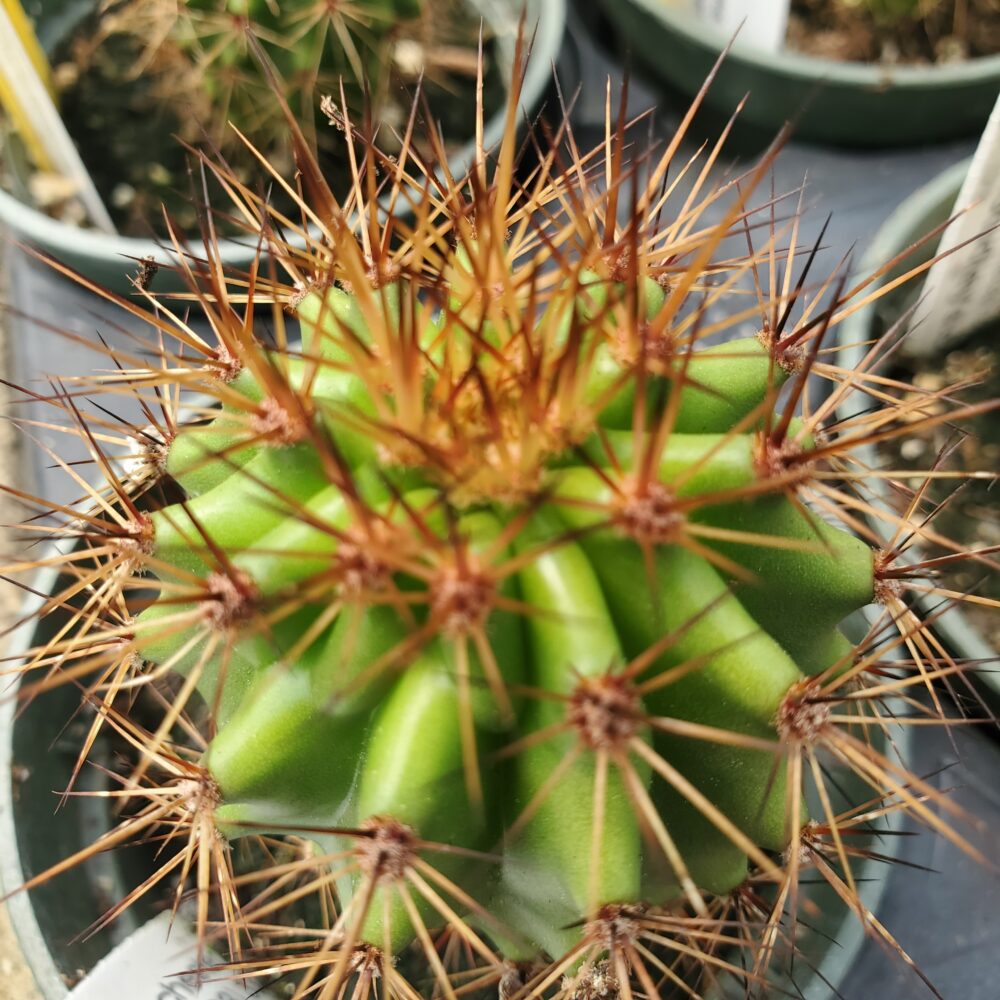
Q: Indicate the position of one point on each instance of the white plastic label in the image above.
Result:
(760, 23)
(146, 966)
(962, 292)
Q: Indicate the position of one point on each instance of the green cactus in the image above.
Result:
(279, 523)
(315, 47)
(511, 588)
(136, 75)
(450, 611)
(197, 56)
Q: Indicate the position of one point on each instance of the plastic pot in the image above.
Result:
(853, 104)
(37, 753)
(922, 211)
(110, 260)
(39, 742)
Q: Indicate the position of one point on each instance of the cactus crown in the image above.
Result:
(511, 596)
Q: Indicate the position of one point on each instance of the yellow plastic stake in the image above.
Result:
(29, 41)
(8, 90)
(26, 95)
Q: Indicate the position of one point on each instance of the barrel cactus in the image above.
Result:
(503, 611)
(314, 45)
(190, 64)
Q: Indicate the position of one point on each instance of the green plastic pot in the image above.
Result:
(110, 260)
(38, 748)
(921, 212)
(852, 104)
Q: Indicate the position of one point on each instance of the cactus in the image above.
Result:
(314, 46)
(512, 597)
(198, 54)
(188, 69)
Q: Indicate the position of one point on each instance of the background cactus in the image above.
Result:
(137, 74)
(510, 592)
(314, 46)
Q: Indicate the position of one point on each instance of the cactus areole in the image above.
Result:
(513, 591)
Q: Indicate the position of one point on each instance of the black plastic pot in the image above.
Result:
(921, 212)
(853, 104)
(110, 260)
(39, 743)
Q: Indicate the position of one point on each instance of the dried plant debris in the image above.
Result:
(895, 32)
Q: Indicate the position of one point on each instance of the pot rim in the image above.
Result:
(907, 223)
(549, 16)
(810, 69)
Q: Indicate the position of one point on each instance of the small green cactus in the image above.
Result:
(197, 55)
(316, 48)
(511, 590)
(137, 75)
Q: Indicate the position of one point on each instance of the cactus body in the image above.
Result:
(360, 726)
(306, 43)
(511, 597)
